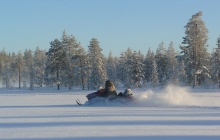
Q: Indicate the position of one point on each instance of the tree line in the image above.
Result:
(66, 64)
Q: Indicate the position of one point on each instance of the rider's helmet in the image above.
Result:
(128, 92)
(101, 88)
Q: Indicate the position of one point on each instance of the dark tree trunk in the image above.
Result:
(19, 77)
(58, 82)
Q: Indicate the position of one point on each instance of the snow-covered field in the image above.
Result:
(170, 114)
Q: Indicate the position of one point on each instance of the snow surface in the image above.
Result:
(167, 114)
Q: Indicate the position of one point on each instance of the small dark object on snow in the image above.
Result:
(78, 102)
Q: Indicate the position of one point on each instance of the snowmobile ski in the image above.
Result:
(78, 102)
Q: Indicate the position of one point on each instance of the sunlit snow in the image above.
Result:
(171, 113)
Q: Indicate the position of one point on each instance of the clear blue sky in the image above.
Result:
(117, 24)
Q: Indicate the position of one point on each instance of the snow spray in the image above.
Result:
(174, 95)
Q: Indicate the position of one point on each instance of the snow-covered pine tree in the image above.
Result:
(137, 69)
(128, 68)
(6, 69)
(76, 61)
(56, 62)
(162, 64)
(148, 67)
(84, 67)
(172, 64)
(27, 68)
(1, 64)
(182, 77)
(13, 71)
(111, 67)
(32, 77)
(98, 73)
(80, 61)
(121, 68)
(39, 61)
(154, 75)
(215, 64)
(2, 58)
(195, 51)
(70, 46)
(19, 64)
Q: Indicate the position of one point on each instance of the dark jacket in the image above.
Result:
(109, 89)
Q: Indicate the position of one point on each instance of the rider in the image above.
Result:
(109, 90)
(126, 94)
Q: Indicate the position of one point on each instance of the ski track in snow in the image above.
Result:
(160, 114)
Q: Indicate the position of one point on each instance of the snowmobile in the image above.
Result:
(125, 97)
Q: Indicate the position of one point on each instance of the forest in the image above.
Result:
(67, 64)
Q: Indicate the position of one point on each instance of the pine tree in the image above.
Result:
(137, 69)
(56, 62)
(111, 67)
(162, 64)
(75, 73)
(172, 64)
(2, 59)
(80, 61)
(98, 73)
(215, 64)
(121, 68)
(39, 65)
(128, 68)
(182, 77)
(148, 61)
(19, 64)
(27, 73)
(195, 50)
(6, 70)
(32, 77)
(70, 47)
(154, 78)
